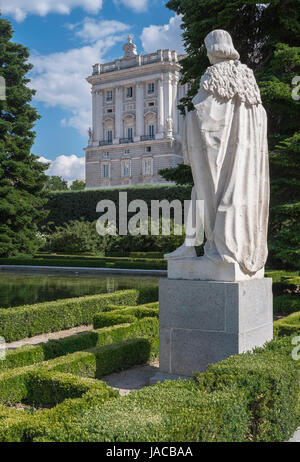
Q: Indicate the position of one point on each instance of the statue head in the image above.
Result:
(220, 47)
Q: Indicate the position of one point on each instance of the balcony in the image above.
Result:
(147, 137)
(105, 142)
(126, 140)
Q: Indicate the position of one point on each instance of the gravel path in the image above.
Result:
(44, 338)
(132, 379)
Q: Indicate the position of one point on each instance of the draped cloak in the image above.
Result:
(225, 142)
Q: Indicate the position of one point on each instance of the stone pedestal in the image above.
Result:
(207, 270)
(202, 322)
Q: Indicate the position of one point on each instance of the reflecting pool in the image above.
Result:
(24, 289)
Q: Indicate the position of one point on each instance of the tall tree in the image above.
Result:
(21, 175)
(78, 185)
(56, 183)
(266, 36)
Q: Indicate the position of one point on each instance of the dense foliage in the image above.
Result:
(66, 206)
(266, 36)
(247, 397)
(22, 322)
(21, 175)
(82, 237)
(56, 183)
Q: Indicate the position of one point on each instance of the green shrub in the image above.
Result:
(25, 356)
(248, 397)
(283, 346)
(16, 383)
(28, 321)
(67, 206)
(129, 314)
(97, 362)
(18, 426)
(147, 306)
(13, 385)
(270, 382)
(86, 262)
(168, 412)
(13, 424)
(139, 312)
(74, 237)
(286, 304)
(51, 388)
(287, 326)
(111, 319)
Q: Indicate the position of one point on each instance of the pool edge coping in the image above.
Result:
(82, 270)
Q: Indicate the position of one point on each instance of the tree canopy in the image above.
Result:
(22, 176)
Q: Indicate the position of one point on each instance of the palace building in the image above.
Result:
(136, 123)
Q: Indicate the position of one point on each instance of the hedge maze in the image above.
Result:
(54, 391)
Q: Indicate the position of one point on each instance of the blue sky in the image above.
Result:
(65, 38)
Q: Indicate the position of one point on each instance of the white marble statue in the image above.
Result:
(224, 141)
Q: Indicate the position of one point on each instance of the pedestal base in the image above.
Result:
(207, 270)
(203, 322)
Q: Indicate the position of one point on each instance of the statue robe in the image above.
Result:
(225, 142)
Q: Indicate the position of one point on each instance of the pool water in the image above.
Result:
(24, 289)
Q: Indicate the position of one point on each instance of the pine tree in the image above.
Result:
(21, 175)
(266, 36)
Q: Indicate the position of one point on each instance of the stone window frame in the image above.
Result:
(129, 122)
(129, 96)
(150, 119)
(109, 126)
(146, 171)
(124, 162)
(110, 93)
(103, 165)
(152, 86)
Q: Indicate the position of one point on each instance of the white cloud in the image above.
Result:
(162, 37)
(59, 78)
(20, 8)
(91, 30)
(136, 5)
(69, 167)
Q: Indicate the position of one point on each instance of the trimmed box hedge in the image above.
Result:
(16, 426)
(286, 304)
(27, 355)
(287, 326)
(94, 363)
(97, 362)
(128, 314)
(249, 397)
(48, 388)
(168, 412)
(271, 385)
(111, 319)
(73, 205)
(28, 321)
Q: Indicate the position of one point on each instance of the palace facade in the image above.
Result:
(136, 123)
